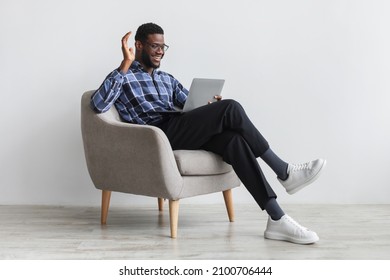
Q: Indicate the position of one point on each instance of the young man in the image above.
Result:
(144, 95)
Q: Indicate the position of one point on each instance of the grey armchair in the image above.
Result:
(138, 159)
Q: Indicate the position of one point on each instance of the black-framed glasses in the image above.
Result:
(155, 47)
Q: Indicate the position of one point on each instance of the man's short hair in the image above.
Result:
(146, 29)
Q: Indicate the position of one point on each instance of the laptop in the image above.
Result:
(201, 92)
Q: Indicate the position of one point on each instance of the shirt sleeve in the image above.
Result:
(180, 93)
(108, 92)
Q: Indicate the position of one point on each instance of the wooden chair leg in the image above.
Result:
(228, 197)
(106, 195)
(173, 216)
(160, 203)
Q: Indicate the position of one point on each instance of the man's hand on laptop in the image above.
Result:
(216, 97)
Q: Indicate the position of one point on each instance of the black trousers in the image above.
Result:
(224, 128)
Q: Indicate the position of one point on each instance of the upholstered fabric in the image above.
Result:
(138, 159)
(200, 162)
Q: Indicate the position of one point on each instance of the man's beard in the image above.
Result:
(147, 61)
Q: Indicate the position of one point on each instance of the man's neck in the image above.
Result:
(147, 69)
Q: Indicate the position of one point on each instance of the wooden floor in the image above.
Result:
(43, 232)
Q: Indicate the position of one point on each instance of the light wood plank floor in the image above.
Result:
(47, 232)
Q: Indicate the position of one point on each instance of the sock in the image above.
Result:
(273, 209)
(276, 164)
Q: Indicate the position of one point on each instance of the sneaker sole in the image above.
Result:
(281, 237)
(298, 188)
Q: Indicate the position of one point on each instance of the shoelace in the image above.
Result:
(301, 166)
(296, 225)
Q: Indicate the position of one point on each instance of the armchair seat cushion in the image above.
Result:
(200, 162)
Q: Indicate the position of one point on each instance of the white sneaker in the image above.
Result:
(287, 229)
(301, 175)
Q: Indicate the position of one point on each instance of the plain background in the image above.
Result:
(312, 75)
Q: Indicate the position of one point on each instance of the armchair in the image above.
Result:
(138, 159)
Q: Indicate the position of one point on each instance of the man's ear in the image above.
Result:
(138, 45)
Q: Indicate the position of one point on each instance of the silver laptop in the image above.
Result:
(202, 91)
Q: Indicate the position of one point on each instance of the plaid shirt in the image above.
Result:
(139, 97)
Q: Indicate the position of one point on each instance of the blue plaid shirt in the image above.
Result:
(139, 97)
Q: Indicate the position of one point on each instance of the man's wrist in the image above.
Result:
(125, 65)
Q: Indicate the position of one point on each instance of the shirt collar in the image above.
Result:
(137, 66)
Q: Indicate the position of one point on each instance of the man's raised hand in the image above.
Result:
(128, 54)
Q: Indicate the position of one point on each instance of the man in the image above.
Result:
(144, 95)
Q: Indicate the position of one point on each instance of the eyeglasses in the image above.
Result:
(155, 47)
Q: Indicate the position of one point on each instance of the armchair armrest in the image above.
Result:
(128, 158)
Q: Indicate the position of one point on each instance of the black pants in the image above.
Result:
(224, 128)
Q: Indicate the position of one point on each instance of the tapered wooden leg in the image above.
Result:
(160, 203)
(173, 216)
(106, 195)
(228, 197)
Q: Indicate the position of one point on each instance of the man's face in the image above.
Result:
(153, 51)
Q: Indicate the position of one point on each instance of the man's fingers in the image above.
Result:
(125, 38)
(216, 97)
(127, 35)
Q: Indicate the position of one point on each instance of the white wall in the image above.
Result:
(312, 75)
